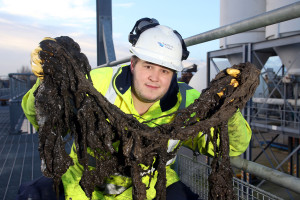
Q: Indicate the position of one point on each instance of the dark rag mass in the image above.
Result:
(69, 107)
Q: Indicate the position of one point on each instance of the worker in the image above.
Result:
(147, 89)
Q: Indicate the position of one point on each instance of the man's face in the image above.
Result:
(150, 81)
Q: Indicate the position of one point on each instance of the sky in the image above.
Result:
(24, 23)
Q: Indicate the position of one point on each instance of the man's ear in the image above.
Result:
(131, 65)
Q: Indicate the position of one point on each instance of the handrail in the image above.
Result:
(269, 174)
(268, 18)
(18, 87)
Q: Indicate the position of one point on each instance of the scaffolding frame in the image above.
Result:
(255, 106)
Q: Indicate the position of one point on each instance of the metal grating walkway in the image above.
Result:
(19, 163)
(19, 158)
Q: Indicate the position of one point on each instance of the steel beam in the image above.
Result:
(105, 46)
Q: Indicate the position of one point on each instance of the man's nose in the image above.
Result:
(154, 76)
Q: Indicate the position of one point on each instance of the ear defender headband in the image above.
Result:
(146, 23)
(139, 27)
(185, 52)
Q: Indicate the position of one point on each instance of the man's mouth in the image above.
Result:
(152, 86)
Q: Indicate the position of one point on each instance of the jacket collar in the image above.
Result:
(124, 79)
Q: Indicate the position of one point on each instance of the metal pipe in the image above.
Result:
(274, 176)
(284, 160)
(15, 74)
(114, 63)
(275, 16)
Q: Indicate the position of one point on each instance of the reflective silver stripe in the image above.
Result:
(111, 94)
(171, 160)
(182, 88)
(114, 189)
(172, 143)
(171, 146)
(148, 172)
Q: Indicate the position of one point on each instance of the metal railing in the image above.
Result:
(19, 84)
(195, 175)
(4, 92)
(4, 95)
(274, 117)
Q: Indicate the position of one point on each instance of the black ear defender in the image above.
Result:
(145, 23)
(140, 26)
(185, 52)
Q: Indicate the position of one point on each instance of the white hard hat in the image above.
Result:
(160, 45)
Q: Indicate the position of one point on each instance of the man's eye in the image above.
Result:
(165, 71)
(148, 67)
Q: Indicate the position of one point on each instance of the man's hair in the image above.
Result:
(135, 59)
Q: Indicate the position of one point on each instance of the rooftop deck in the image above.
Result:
(19, 158)
(20, 161)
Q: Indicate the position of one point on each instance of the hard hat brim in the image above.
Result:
(157, 58)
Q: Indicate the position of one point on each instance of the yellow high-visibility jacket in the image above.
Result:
(115, 84)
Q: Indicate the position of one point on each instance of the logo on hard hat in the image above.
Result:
(160, 44)
(165, 45)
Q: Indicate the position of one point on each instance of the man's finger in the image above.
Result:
(233, 72)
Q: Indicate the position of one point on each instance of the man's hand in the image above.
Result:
(234, 73)
(36, 62)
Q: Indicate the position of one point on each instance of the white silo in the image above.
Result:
(289, 54)
(237, 10)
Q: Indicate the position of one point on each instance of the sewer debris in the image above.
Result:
(68, 106)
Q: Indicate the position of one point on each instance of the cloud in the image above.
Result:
(17, 37)
(21, 29)
(5, 21)
(122, 50)
(123, 5)
(18, 40)
(42, 9)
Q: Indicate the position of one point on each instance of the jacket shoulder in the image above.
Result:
(101, 78)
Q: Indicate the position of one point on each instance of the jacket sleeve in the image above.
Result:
(28, 105)
(239, 133)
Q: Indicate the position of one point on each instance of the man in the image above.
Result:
(147, 89)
